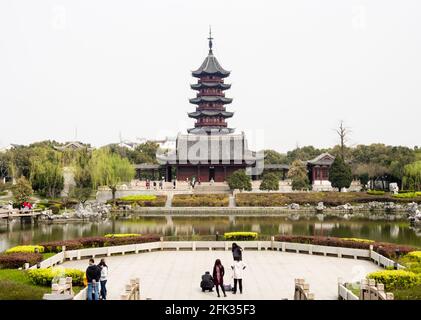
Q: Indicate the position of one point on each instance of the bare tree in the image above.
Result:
(343, 133)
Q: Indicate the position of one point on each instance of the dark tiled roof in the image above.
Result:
(323, 159)
(218, 85)
(146, 166)
(210, 66)
(210, 99)
(224, 114)
(205, 148)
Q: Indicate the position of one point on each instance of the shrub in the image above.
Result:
(139, 197)
(94, 242)
(141, 200)
(200, 200)
(239, 180)
(358, 240)
(18, 259)
(388, 250)
(407, 195)
(261, 199)
(44, 277)
(56, 246)
(414, 256)
(121, 235)
(25, 249)
(376, 192)
(396, 279)
(270, 181)
(240, 235)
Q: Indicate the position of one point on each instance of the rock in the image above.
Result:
(294, 206)
(412, 208)
(320, 206)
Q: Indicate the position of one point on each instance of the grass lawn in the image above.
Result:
(47, 255)
(16, 285)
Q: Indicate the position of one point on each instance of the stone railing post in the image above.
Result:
(272, 240)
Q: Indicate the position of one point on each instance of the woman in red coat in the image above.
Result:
(218, 276)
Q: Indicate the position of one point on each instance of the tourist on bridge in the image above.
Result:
(218, 276)
(103, 279)
(238, 268)
(148, 184)
(237, 252)
(207, 282)
(93, 276)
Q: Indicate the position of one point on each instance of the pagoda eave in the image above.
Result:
(217, 85)
(198, 114)
(205, 99)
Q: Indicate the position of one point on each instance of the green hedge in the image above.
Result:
(240, 236)
(200, 200)
(44, 277)
(141, 201)
(376, 192)
(396, 279)
(25, 249)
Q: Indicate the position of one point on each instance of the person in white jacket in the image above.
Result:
(238, 268)
(103, 279)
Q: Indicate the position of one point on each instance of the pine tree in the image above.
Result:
(340, 174)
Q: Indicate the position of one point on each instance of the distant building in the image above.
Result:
(319, 172)
(73, 145)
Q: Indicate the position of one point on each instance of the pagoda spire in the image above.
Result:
(210, 40)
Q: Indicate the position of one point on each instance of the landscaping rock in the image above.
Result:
(320, 206)
(294, 206)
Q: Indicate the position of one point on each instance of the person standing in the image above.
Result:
(218, 277)
(103, 279)
(237, 252)
(93, 275)
(238, 268)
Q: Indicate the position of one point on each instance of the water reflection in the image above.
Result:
(398, 232)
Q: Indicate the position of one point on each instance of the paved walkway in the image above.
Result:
(172, 275)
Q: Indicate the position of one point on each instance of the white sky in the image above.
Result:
(298, 67)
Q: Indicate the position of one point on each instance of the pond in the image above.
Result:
(17, 233)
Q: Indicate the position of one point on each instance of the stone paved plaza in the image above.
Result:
(172, 275)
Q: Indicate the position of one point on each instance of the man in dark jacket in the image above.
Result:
(93, 275)
(207, 282)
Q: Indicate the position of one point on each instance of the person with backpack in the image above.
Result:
(238, 269)
(93, 276)
(103, 279)
(237, 252)
(218, 276)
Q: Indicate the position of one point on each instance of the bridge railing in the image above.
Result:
(132, 290)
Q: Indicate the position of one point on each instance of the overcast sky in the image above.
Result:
(297, 69)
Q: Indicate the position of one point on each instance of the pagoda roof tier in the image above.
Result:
(212, 113)
(210, 130)
(203, 85)
(204, 99)
(210, 66)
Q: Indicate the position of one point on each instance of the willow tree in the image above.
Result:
(412, 176)
(110, 169)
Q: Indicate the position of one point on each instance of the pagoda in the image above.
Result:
(210, 151)
(210, 99)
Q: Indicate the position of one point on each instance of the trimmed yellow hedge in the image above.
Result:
(414, 256)
(122, 235)
(358, 240)
(200, 200)
(25, 249)
(44, 277)
(396, 279)
(240, 235)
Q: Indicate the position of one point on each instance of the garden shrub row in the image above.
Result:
(200, 200)
(313, 198)
(44, 277)
(95, 242)
(396, 279)
(26, 249)
(240, 236)
(388, 250)
(122, 235)
(141, 201)
(18, 259)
